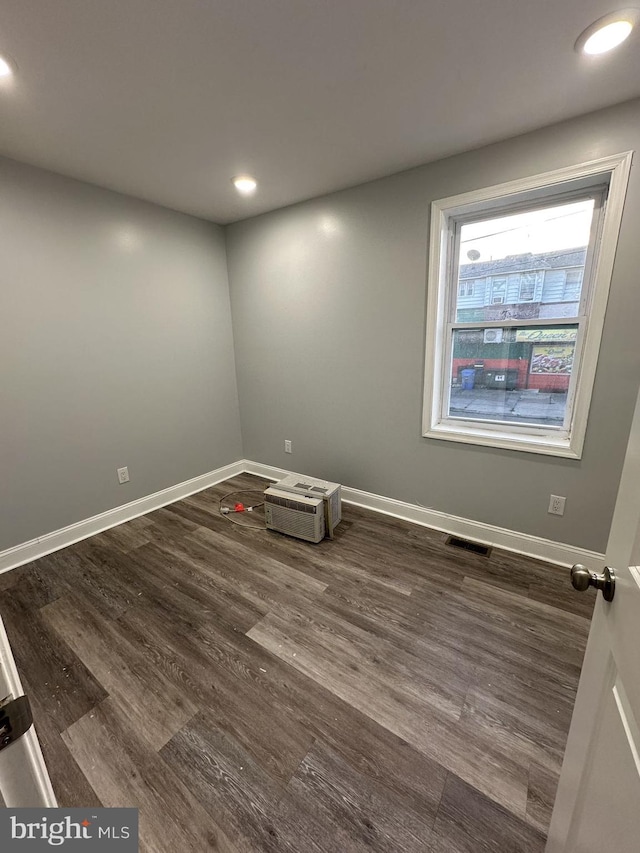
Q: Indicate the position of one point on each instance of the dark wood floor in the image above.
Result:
(251, 692)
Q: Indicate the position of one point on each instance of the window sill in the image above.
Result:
(525, 443)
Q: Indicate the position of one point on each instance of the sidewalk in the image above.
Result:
(533, 407)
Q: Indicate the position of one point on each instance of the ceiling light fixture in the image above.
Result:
(245, 184)
(6, 67)
(607, 32)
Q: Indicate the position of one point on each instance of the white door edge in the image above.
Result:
(24, 779)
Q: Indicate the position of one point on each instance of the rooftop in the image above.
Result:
(525, 263)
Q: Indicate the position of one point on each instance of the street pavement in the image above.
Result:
(527, 406)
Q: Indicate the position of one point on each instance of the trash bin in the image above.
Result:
(507, 379)
(468, 375)
(512, 378)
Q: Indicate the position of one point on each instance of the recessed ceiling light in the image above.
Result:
(6, 67)
(608, 37)
(245, 184)
(608, 32)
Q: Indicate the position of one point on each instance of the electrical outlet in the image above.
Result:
(556, 505)
(287, 446)
(123, 475)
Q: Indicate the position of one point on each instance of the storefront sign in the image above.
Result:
(555, 360)
(550, 333)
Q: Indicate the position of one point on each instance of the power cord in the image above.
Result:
(229, 512)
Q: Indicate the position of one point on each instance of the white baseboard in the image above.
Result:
(487, 534)
(500, 537)
(43, 545)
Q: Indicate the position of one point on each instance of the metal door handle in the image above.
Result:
(582, 578)
(15, 719)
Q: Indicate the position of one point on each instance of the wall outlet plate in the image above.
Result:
(287, 446)
(123, 475)
(556, 505)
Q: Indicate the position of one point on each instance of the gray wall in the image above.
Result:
(115, 349)
(328, 301)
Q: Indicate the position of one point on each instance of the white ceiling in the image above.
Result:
(167, 99)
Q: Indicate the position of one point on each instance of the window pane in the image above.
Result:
(524, 266)
(512, 375)
(498, 290)
(572, 284)
(528, 283)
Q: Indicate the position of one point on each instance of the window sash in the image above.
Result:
(597, 193)
(485, 423)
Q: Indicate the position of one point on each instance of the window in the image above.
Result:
(527, 287)
(498, 290)
(572, 284)
(465, 288)
(516, 369)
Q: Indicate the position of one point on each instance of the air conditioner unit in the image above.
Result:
(330, 492)
(296, 515)
(493, 336)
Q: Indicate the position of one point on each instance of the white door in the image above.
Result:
(24, 780)
(597, 808)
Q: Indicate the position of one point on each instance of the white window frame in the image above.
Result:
(445, 214)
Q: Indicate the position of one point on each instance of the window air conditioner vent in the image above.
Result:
(493, 336)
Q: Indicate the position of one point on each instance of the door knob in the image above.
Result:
(582, 578)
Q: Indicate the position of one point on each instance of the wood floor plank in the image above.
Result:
(429, 561)
(315, 633)
(267, 729)
(328, 806)
(100, 574)
(229, 784)
(396, 628)
(70, 785)
(543, 784)
(410, 716)
(559, 594)
(126, 537)
(356, 814)
(464, 626)
(381, 691)
(166, 522)
(155, 707)
(172, 573)
(283, 699)
(125, 772)
(231, 565)
(49, 667)
(534, 622)
(325, 560)
(33, 584)
(468, 822)
(537, 732)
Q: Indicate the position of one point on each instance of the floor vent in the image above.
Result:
(467, 545)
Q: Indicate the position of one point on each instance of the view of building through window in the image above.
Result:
(524, 267)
